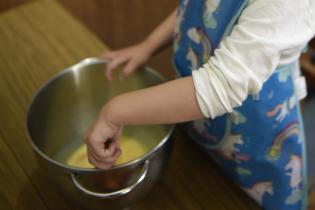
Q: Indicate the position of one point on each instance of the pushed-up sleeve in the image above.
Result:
(269, 33)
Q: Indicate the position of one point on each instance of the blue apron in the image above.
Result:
(260, 145)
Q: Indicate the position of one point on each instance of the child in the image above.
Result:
(239, 66)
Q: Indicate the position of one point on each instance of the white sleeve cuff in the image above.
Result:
(210, 92)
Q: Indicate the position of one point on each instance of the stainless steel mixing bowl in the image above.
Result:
(57, 119)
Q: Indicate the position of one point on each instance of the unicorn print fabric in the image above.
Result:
(260, 145)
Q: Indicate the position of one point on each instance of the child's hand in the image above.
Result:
(131, 58)
(103, 144)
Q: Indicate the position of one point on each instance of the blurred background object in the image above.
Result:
(118, 23)
(307, 62)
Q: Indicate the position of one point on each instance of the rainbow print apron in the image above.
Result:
(260, 145)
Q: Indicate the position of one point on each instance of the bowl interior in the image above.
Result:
(67, 104)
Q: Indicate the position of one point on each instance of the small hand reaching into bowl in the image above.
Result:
(131, 58)
(147, 106)
(103, 143)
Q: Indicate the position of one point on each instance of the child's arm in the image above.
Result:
(137, 55)
(131, 106)
(162, 35)
(170, 102)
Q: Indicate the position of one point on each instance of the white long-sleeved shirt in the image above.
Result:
(269, 33)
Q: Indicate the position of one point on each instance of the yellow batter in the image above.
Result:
(131, 150)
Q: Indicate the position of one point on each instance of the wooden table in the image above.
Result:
(36, 41)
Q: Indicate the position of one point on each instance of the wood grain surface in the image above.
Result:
(15, 188)
(37, 40)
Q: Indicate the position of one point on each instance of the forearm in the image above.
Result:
(171, 102)
(162, 35)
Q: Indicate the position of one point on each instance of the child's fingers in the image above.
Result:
(109, 151)
(109, 55)
(130, 67)
(115, 144)
(99, 164)
(91, 153)
(95, 163)
(114, 157)
(103, 163)
(97, 147)
(114, 154)
(114, 64)
(91, 159)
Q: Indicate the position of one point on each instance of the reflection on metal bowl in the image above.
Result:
(57, 119)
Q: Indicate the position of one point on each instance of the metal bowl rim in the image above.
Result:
(78, 66)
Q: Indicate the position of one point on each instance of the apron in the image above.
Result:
(260, 145)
